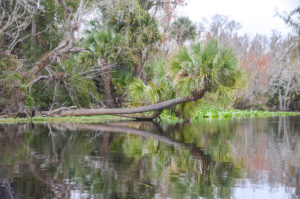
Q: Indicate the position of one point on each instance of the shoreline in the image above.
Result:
(166, 116)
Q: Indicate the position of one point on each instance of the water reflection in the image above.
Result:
(212, 159)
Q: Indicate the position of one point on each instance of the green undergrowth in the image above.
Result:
(166, 116)
(201, 114)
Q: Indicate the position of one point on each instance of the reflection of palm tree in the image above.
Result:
(121, 128)
(104, 144)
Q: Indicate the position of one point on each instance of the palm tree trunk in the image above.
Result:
(126, 111)
(140, 69)
(107, 91)
(107, 83)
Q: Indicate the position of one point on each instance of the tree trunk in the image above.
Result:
(140, 69)
(298, 50)
(107, 90)
(125, 111)
(33, 29)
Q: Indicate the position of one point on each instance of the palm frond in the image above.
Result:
(191, 66)
(136, 90)
(178, 60)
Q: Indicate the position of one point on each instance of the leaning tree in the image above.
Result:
(195, 70)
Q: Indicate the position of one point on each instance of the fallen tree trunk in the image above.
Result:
(125, 112)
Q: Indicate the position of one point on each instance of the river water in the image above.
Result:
(245, 158)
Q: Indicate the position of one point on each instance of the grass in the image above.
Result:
(69, 119)
(166, 116)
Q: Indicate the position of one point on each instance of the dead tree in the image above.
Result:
(66, 45)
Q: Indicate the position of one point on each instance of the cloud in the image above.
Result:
(256, 16)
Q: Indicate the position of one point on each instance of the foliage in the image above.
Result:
(205, 65)
(211, 113)
(103, 44)
(158, 89)
(129, 18)
(48, 17)
(132, 19)
(13, 91)
(71, 85)
(182, 30)
(201, 65)
(82, 90)
(104, 51)
(43, 93)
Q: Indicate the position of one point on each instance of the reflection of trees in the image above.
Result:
(145, 160)
(171, 157)
(111, 164)
(18, 152)
(168, 156)
(269, 150)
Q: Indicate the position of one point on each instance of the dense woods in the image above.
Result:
(103, 54)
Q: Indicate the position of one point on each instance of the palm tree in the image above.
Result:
(141, 32)
(204, 66)
(158, 89)
(183, 29)
(104, 48)
(195, 70)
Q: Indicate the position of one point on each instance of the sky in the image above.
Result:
(255, 16)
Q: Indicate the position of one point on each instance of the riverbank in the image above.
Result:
(69, 119)
(166, 116)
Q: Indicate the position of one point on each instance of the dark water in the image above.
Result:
(253, 158)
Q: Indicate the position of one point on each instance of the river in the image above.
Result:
(237, 158)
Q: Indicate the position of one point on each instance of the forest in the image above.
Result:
(126, 57)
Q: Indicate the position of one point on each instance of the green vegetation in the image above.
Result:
(183, 29)
(211, 114)
(166, 116)
(69, 119)
(203, 114)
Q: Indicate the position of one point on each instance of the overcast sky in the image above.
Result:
(256, 16)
